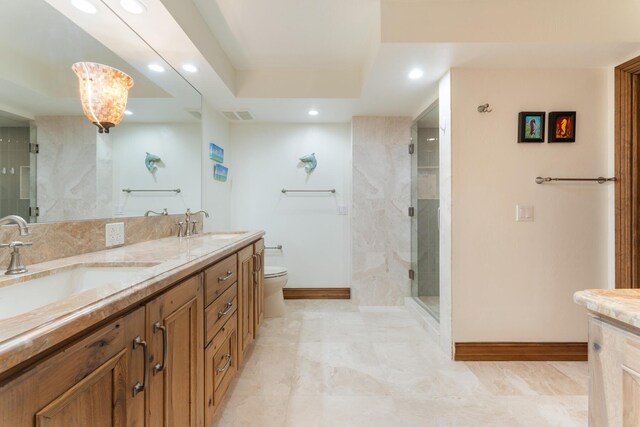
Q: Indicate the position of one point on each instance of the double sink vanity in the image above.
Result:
(150, 333)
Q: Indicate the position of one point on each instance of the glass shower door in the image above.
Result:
(15, 161)
(425, 224)
(414, 204)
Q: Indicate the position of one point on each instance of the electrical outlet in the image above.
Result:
(343, 210)
(114, 234)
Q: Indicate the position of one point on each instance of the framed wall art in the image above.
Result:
(562, 126)
(216, 153)
(220, 172)
(531, 126)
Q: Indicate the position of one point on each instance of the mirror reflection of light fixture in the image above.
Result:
(103, 93)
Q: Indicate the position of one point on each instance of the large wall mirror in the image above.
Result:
(54, 164)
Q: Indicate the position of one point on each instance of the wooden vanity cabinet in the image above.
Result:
(245, 301)
(614, 375)
(89, 383)
(189, 340)
(221, 366)
(175, 333)
(221, 333)
(258, 286)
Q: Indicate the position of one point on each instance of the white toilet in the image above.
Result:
(275, 278)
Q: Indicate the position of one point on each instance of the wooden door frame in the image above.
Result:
(627, 173)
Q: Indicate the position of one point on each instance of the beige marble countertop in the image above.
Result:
(165, 260)
(622, 305)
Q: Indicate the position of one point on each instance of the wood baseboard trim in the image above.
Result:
(521, 351)
(317, 293)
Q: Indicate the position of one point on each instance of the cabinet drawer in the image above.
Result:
(219, 277)
(221, 365)
(223, 360)
(220, 311)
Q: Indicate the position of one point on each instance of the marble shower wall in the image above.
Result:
(381, 229)
(67, 169)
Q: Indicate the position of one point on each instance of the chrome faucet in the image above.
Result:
(16, 266)
(164, 212)
(190, 226)
(19, 221)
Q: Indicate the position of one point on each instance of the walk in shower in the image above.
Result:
(425, 222)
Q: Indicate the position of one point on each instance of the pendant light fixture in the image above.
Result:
(103, 93)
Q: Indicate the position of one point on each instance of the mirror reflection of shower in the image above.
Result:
(427, 199)
(15, 166)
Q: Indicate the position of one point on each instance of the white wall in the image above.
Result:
(178, 145)
(216, 195)
(314, 237)
(514, 281)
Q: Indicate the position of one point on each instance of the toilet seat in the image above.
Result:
(271, 272)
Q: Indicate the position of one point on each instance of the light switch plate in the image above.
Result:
(524, 213)
(114, 234)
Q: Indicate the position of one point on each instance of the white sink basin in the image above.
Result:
(22, 297)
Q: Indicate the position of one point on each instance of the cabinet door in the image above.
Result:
(89, 383)
(606, 361)
(220, 366)
(245, 301)
(258, 286)
(175, 330)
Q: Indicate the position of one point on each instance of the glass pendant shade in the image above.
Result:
(103, 93)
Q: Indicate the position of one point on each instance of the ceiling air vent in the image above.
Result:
(238, 115)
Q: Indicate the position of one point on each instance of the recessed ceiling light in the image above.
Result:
(313, 112)
(157, 68)
(84, 5)
(415, 74)
(133, 6)
(190, 68)
(128, 113)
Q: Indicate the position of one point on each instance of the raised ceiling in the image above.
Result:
(279, 58)
(275, 34)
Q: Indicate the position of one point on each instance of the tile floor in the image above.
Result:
(331, 363)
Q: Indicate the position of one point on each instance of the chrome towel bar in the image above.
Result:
(277, 248)
(599, 180)
(128, 190)
(285, 191)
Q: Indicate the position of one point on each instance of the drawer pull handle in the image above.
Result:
(159, 367)
(139, 342)
(226, 365)
(225, 278)
(226, 310)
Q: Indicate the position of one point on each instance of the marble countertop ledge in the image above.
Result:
(165, 260)
(622, 305)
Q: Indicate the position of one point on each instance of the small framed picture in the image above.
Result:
(216, 153)
(220, 172)
(531, 126)
(562, 126)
